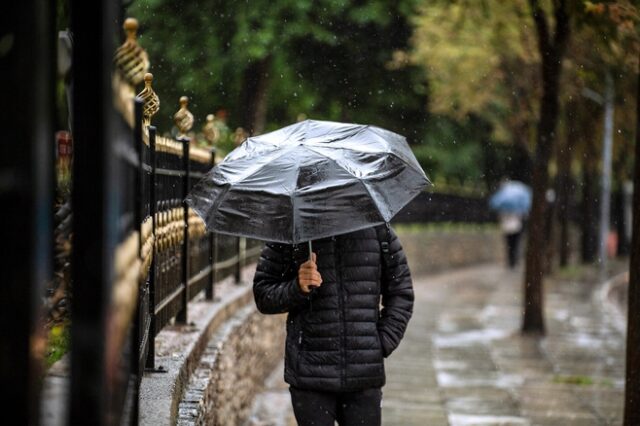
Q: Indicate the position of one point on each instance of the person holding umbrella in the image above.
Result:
(322, 194)
(512, 201)
(337, 337)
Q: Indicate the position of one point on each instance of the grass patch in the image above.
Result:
(581, 381)
(445, 227)
(571, 272)
(58, 342)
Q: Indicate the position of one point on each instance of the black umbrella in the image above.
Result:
(307, 181)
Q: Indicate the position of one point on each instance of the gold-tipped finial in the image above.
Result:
(183, 118)
(131, 59)
(210, 130)
(151, 101)
(130, 26)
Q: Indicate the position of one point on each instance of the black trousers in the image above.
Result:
(513, 241)
(347, 408)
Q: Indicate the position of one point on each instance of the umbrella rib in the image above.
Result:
(331, 159)
(374, 130)
(419, 171)
(259, 168)
(366, 188)
(360, 180)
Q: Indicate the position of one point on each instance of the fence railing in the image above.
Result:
(155, 254)
(180, 258)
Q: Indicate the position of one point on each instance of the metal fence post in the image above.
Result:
(26, 199)
(94, 221)
(213, 242)
(182, 315)
(151, 355)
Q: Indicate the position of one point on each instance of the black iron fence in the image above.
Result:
(180, 259)
(139, 253)
(436, 207)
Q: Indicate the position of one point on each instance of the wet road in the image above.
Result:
(464, 362)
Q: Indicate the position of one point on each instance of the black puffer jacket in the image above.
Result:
(337, 337)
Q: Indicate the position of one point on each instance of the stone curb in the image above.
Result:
(161, 392)
(605, 297)
(194, 402)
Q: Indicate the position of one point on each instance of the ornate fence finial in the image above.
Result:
(183, 118)
(150, 99)
(210, 130)
(131, 59)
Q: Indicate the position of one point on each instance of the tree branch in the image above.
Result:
(561, 35)
(542, 28)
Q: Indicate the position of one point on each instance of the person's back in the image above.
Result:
(511, 224)
(337, 336)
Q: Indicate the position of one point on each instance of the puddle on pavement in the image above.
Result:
(271, 408)
(466, 379)
(450, 365)
(469, 338)
(561, 315)
(468, 420)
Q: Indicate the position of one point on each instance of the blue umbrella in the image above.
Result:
(512, 197)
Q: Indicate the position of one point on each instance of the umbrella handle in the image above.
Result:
(310, 250)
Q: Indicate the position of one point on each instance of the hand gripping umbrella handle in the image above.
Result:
(312, 289)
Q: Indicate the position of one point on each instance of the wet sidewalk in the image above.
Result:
(464, 362)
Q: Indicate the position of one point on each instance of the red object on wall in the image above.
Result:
(65, 143)
(612, 244)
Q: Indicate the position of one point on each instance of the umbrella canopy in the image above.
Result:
(513, 197)
(309, 180)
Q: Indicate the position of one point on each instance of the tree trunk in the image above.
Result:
(552, 50)
(549, 232)
(254, 96)
(522, 163)
(590, 205)
(632, 383)
(564, 190)
(618, 213)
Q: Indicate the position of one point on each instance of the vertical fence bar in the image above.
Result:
(138, 322)
(94, 221)
(151, 356)
(210, 291)
(183, 314)
(137, 141)
(26, 160)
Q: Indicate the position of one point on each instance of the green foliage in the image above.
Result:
(58, 343)
(328, 58)
(451, 152)
(471, 52)
(445, 227)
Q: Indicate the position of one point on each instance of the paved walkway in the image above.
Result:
(464, 362)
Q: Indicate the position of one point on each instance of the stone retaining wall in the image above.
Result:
(180, 349)
(430, 251)
(232, 369)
